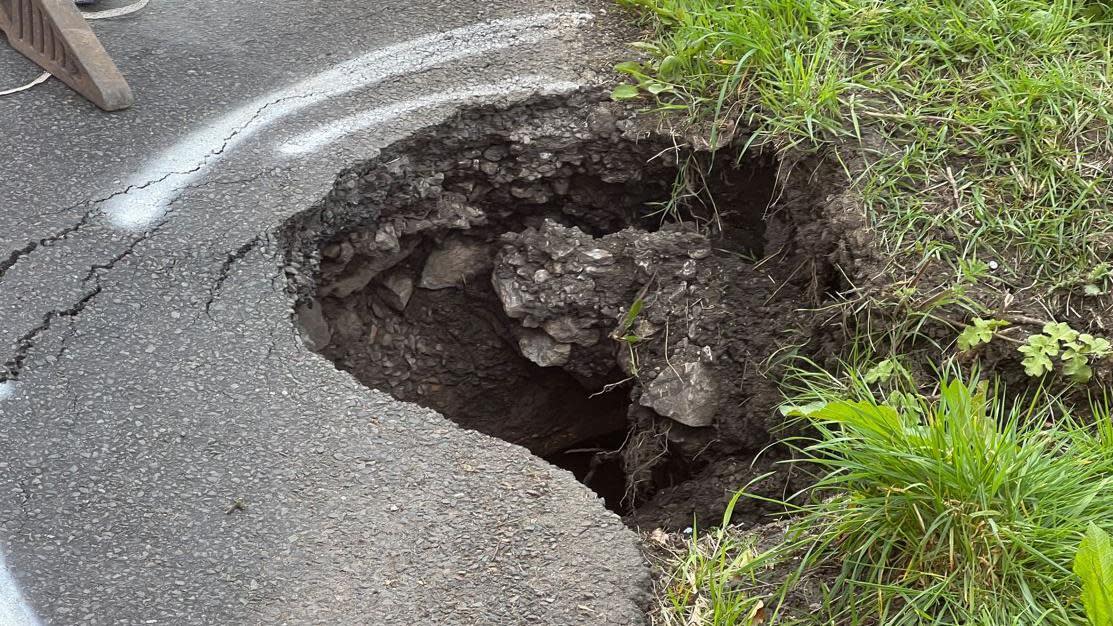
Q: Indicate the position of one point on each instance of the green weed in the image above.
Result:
(951, 510)
(1076, 351)
(1094, 566)
(706, 585)
(626, 333)
(979, 332)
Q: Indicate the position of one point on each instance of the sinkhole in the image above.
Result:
(561, 276)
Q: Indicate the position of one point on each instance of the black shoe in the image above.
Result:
(84, 3)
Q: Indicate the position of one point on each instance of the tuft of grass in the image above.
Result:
(958, 508)
(969, 129)
(706, 581)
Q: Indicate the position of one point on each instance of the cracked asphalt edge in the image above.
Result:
(14, 364)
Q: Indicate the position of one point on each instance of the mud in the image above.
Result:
(527, 272)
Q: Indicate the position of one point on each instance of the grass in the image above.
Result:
(971, 130)
(975, 139)
(704, 581)
(957, 510)
(953, 509)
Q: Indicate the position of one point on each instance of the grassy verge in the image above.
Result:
(975, 139)
(976, 132)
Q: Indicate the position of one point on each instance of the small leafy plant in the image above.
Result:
(1093, 564)
(884, 371)
(978, 332)
(645, 82)
(626, 332)
(1077, 351)
(1097, 281)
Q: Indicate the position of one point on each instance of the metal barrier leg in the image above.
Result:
(53, 34)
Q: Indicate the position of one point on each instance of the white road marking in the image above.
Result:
(14, 610)
(107, 14)
(328, 133)
(156, 186)
(153, 188)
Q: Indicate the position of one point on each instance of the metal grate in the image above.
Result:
(53, 34)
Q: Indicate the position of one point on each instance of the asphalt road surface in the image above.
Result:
(170, 452)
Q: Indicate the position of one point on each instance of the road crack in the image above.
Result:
(26, 344)
(226, 268)
(14, 366)
(16, 256)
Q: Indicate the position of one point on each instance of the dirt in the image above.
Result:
(522, 271)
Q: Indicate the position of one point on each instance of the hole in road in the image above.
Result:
(523, 272)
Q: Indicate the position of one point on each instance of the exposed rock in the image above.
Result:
(352, 282)
(690, 398)
(542, 349)
(599, 256)
(350, 265)
(359, 272)
(577, 287)
(573, 330)
(496, 153)
(454, 263)
(510, 293)
(313, 326)
(397, 289)
(542, 277)
(347, 325)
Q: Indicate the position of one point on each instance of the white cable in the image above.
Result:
(38, 81)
